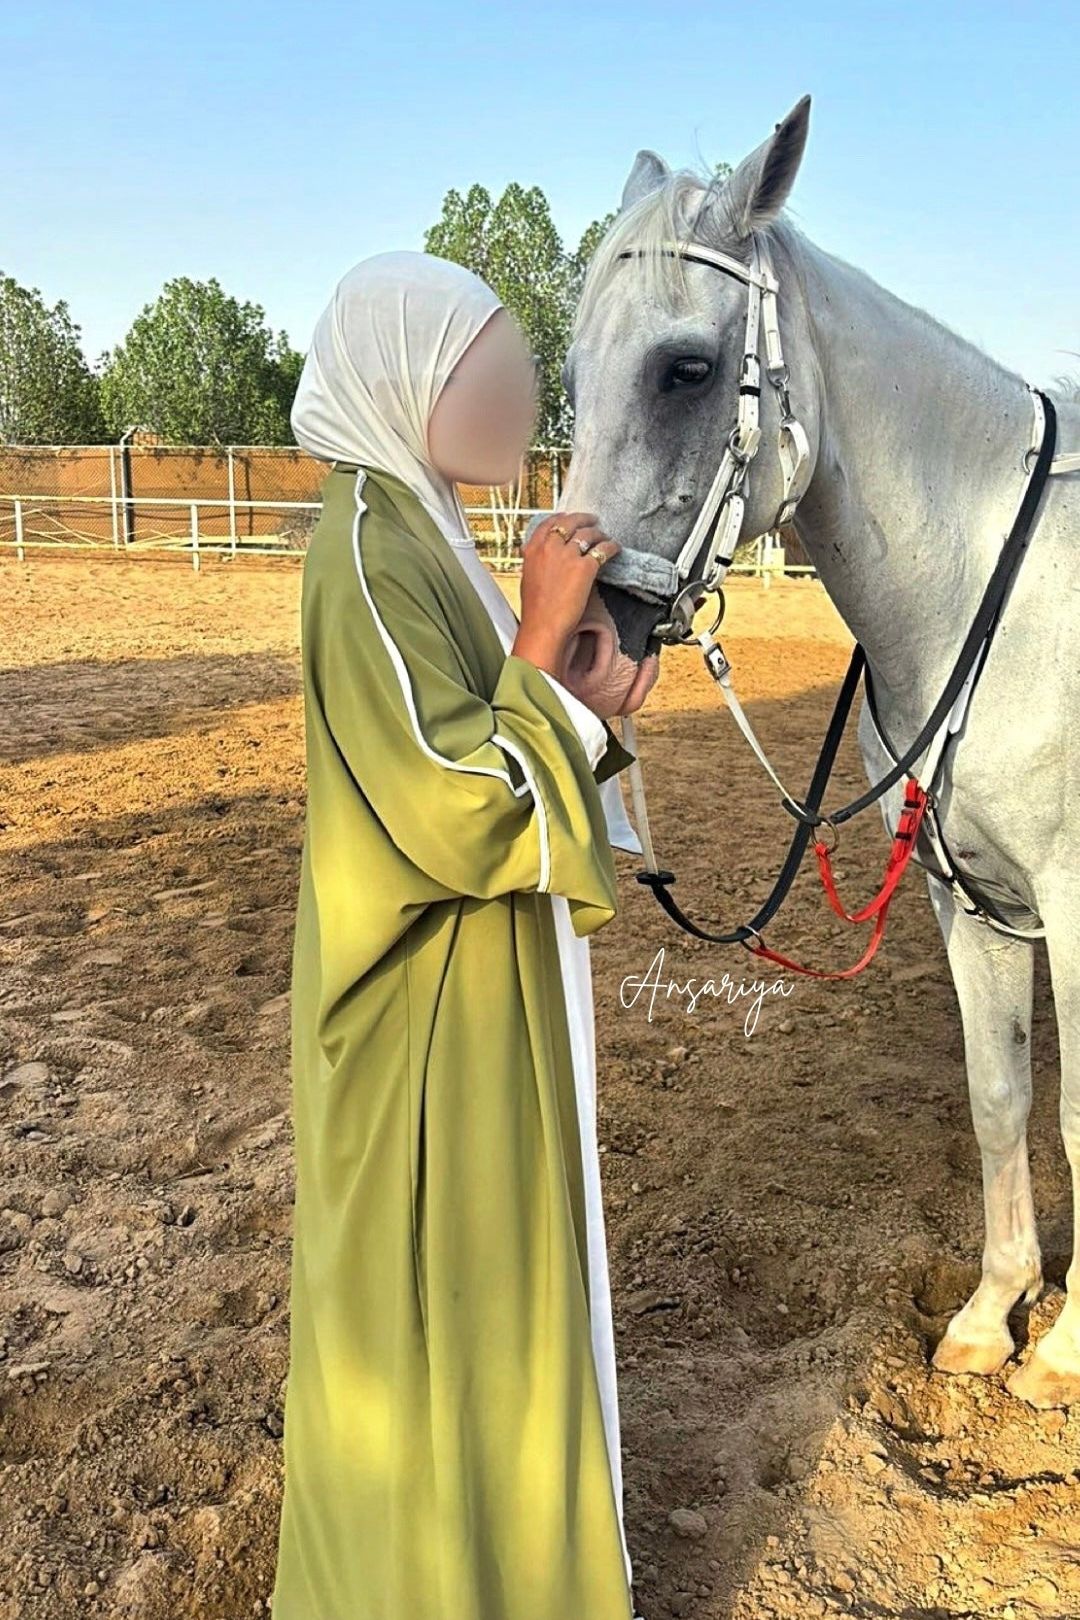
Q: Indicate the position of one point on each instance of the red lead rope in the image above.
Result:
(903, 843)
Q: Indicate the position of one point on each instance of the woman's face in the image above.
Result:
(483, 419)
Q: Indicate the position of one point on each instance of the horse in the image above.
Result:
(913, 452)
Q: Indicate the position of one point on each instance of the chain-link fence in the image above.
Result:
(257, 500)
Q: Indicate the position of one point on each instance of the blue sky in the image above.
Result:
(272, 146)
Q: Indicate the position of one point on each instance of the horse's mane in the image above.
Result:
(688, 206)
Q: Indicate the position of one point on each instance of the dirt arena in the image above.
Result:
(792, 1214)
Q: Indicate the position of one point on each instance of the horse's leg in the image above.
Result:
(1051, 1374)
(994, 975)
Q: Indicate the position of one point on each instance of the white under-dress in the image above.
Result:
(576, 965)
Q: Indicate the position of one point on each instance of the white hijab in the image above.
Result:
(383, 347)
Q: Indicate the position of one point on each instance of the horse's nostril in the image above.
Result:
(582, 654)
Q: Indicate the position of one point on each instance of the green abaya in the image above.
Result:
(445, 1456)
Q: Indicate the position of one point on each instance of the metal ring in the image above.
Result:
(827, 821)
(557, 528)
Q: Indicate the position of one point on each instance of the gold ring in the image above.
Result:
(557, 528)
(593, 552)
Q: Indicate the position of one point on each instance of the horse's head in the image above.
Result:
(653, 371)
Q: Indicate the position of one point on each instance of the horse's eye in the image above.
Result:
(687, 373)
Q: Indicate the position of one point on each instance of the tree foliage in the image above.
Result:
(514, 246)
(198, 367)
(48, 393)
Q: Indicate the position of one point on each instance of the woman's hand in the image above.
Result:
(557, 578)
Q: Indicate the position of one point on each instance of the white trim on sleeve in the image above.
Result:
(401, 670)
(589, 726)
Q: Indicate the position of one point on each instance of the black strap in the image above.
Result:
(692, 258)
(808, 814)
(985, 621)
(976, 903)
(660, 882)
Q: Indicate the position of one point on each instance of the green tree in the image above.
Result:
(198, 367)
(514, 245)
(48, 393)
(590, 241)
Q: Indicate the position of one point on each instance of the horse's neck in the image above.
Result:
(917, 478)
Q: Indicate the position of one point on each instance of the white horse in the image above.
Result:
(915, 456)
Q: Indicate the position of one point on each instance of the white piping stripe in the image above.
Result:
(545, 848)
(401, 670)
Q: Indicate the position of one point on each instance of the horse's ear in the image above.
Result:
(649, 172)
(755, 193)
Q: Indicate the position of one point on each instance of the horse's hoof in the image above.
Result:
(1042, 1385)
(982, 1356)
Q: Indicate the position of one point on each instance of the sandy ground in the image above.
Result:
(792, 1214)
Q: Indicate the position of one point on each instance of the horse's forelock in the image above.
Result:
(687, 207)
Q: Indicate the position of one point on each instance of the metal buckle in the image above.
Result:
(737, 453)
(678, 626)
(716, 660)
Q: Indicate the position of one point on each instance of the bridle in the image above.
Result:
(709, 548)
(701, 567)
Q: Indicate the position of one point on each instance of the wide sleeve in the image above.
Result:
(589, 726)
(601, 745)
(607, 755)
(486, 797)
(615, 757)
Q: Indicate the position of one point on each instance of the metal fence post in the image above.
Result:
(232, 503)
(195, 536)
(112, 501)
(19, 552)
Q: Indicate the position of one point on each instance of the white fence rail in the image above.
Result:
(202, 525)
(185, 539)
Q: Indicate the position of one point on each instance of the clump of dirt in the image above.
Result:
(793, 1200)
